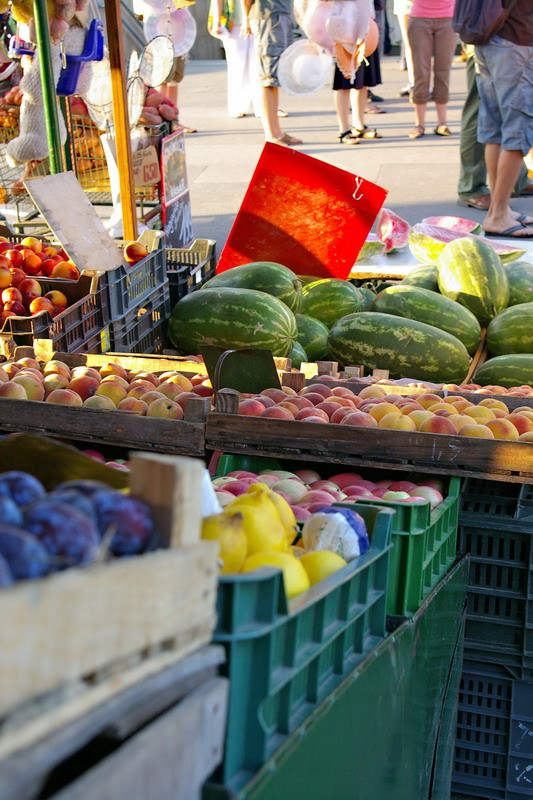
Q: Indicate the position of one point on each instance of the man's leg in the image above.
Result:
(504, 168)
(269, 113)
(473, 174)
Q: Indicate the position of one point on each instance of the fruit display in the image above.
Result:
(76, 523)
(427, 277)
(24, 297)
(520, 277)
(312, 335)
(329, 299)
(505, 372)
(426, 243)
(511, 331)
(263, 276)
(457, 224)
(111, 387)
(392, 230)
(372, 408)
(35, 258)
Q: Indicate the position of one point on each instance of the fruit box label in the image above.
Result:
(145, 164)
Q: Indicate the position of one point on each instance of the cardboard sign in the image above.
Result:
(177, 222)
(303, 213)
(173, 170)
(146, 167)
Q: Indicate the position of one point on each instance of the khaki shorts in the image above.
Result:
(274, 35)
(178, 70)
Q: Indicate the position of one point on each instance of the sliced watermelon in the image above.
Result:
(371, 248)
(454, 224)
(427, 242)
(393, 231)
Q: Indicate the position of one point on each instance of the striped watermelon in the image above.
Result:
(423, 305)
(454, 224)
(368, 297)
(297, 355)
(392, 230)
(471, 273)
(232, 318)
(426, 242)
(511, 331)
(407, 348)
(520, 277)
(508, 371)
(426, 276)
(329, 299)
(263, 276)
(371, 248)
(313, 337)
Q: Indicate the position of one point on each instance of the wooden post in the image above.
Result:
(227, 401)
(327, 368)
(380, 374)
(294, 380)
(117, 63)
(354, 371)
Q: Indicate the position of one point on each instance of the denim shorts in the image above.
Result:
(505, 84)
(274, 35)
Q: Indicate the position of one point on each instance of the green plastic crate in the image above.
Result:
(284, 658)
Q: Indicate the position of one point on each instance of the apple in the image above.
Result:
(307, 475)
(16, 307)
(39, 304)
(236, 487)
(224, 498)
(428, 493)
(221, 482)
(300, 513)
(402, 486)
(6, 278)
(357, 491)
(294, 490)
(15, 256)
(269, 480)
(58, 299)
(11, 295)
(317, 496)
(134, 252)
(395, 495)
(327, 485)
(94, 454)
(342, 479)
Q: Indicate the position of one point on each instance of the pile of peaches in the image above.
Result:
(516, 391)
(372, 408)
(111, 387)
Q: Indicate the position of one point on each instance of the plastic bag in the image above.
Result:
(337, 529)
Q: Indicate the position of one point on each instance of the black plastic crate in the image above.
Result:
(130, 286)
(494, 742)
(496, 528)
(143, 329)
(81, 327)
(189, 267)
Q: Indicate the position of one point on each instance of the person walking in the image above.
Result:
(504, 69)
(472, 189)
(431, 37)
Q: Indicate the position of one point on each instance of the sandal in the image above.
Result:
(442, 130)
(347, 138)
(366, 133)
(373, 109)
(417, 132)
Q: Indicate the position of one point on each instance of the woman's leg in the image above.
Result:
(342, 109)
(359, 100)
(421, 41)
(445, 45)
(402, 22)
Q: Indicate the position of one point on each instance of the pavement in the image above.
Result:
(420, 175)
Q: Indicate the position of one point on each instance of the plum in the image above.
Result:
(25, 555)
(10, 513)
(69, 536)
(85, 487)
(21, 487)
(126, 520)
(74, 499)
(5, 575)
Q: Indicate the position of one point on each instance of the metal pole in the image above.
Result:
(42, 30)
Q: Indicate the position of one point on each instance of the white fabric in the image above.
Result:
(243, 74)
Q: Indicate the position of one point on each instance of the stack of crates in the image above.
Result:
(494, 744)
(189, 267)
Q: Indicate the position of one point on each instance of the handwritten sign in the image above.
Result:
(177, 222)
(146, 167)
(173, 169)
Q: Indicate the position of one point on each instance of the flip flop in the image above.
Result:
(508, 233)
(521, 218)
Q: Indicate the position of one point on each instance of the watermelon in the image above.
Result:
(507, 371)
(426, 276)
(305, 279)
(329, 299)
(520, 277)
(423, 305)
(392, 230)
(232, 318)
(454, 224)
(263, 276)
(426, 242)
(511, 331)
(471, 273)
(313, 337)
(368, 297)
(371, 248)
(407, 348)
(297, 355)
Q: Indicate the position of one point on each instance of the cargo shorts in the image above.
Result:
(273, 36)
(504, 75)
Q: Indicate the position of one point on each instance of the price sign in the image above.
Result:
(173, 170)
(177, 222)
(146, 167)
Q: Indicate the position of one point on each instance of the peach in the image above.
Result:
(165, 409)
(33, 387)
(371, 391)
(17, 276)
(183, 398)
(490, 402)
(112, 368)
(11, 295)
(181, 381)
(169, 390)
(438, 425)
(58, 299)
(291, 407)
(134, 252)
(442, 412)
(398, 422)
(299, 401)
(316, 388)
(340, 413)
(526, 437)
(419, 416)
(459, 421)
(277, 395)
(29, 363)
(34, 244)
(15, 256)
(499, 414)
(17, 308)
(304, 413)
(442, 406)
(276, 412)
(314, 397)
(114, 391)
(149, 397)
(145, 376)
(328, 407)
(33, 372)
(459, 403)
(408, 408)
(524, 412)
(99, 401)
(133, 406)
(31, 264)
(289, 391)
(342, 391)
(522, 423)
(342, 401)
(139, 383)
(382, 409)
(479, 431)
(312, 418)
(251, 407)
(6, 278)
(40, 304)
(65, 397)
(201, 390)
(359, 418)
(163, 376)
(13, 391)
(90, 372)
(502, 429)
(427, 400)
(57, 366)
(65, 270)
(480, 413)
(53, 381)
(4, 377)
(84, 385)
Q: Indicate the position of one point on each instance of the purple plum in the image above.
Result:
(85, 487)
(21, 487)
(25, 555)
(126, 520)
(5, 574)
(70, 537)
(10, 513)
(74, 499)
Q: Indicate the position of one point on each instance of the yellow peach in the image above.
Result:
(480, 413)
(382, 409)
(479, 431)
(397, 422)
(502, 429)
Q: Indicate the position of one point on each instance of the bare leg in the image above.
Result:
(342, 109)
(503, 168)
(269, 113)
(420, 114)
(359, 100)
(402, 22)
(442, 109)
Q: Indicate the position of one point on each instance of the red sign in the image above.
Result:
(303, 213)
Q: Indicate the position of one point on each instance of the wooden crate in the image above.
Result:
(229, 432)
(97, 426)
(73, 639)
(160, 738)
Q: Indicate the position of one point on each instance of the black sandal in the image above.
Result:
(348, 137)
(366, 133)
